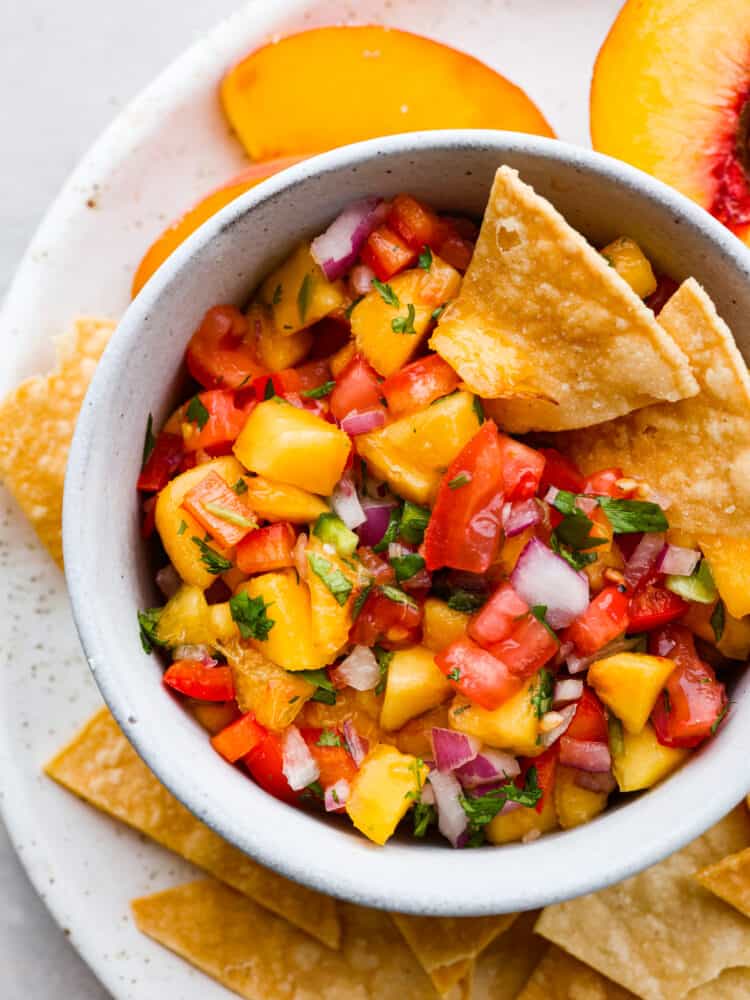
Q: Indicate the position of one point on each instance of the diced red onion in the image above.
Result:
(677, 561)
(298, 764)
(355, 744)
(643, 559)
(566, 717)
(298, 554)
(359, 670)
(396, 550)
(355, 423)
(541, 577)
(488, 765)
(345, 503)
(452, 820)
(377, 516)
(336, 249)
(201, 654)
(509, 807)
(335, 795)
(520, 515)
(565, 691)
(596, 781)
(587, 755)
(452, 749)
(168, 580)
(577, 664)
(360, 279)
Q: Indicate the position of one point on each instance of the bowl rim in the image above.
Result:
(411, 878)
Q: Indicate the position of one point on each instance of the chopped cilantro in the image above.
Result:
(269, 390)
(628, 516)
(465, 600)
(437, 313)
(303, 297)
(414, 522)
(319, 391)
(572, 537)
(386, 293)
(718, 620)
(325, 692)
(461, 709)
(424, 816)
(458, 481)
(397, 595)
(331, 576)
(148, 621)
(276, 297)
(719, 718)
(240, 487)
(197, 412)
(360, 599)
(425, 259)
(391, 532)
(350, 308)
(211, 559)
(182, 528)
(230, 516)
(454, 675)
(384, 657)
(405, 324)
(149, 442)
(407, 566)
(250, 615)
(314, 791)
(539, 611)
(416, 767)
(541, 693)
(329, 738)
(482, 809)
(478, 409)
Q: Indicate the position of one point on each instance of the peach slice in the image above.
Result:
(671, 95)
(178, 231)
(331, 86)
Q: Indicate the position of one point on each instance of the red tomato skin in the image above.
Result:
(227, 413)
(266, 549)
(386, 621)
(335, 763)
(378, 568)
(200, 680)
(220, 353)
(163, 462)
(417, 225)
(605, 618)
(546, 772)
(496, 620)
(559, 472)
(418, 384)
(456, 250)
(483, 679)
(266, 765)
(357, 388)
(652, 606)
(522, 468)
(603, 483)
(527, 648)
(276, 384)
(386, 253)
(464, 529)
(589, 724)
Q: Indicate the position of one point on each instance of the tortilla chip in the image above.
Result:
(261, 957)
(38, 419)
(446, 946)
(559, 976)
(101, 767)
(543, 321)
(503, 968)
(660, 933)
(729, 879)
(697, 451)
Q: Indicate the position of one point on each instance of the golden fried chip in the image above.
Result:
(660, 933)
(38, 419)
(559, 976)
(100, 766)
(544, 322)
(729, 879)
(261, 957)
(503, 968)
(446, 946)
(696, 452)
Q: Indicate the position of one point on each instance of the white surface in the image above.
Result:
(65, 71)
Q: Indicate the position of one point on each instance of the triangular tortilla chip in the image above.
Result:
(543, 321)
(503, 968)
(100, 766)
(660, 933)
(37, 421)
(729, 879)
(697, 451)
(559, 976)
(262, 957)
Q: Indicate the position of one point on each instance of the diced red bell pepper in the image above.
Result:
(498, 617)
(418, 384)
(522, 468)
(239, 738)
(652, 606)
(266, 549)
(529, 646)
(589, 724)
(385, 621)
(604, 619)
(266, 764)
(227, 413)
(465, 527)
(546, 772)
(477, 674)
(357, 388)
(417, 225)
(604, 483)
(218, 509)
(334, 762)
(221, 353)
(201, 680)
(559, 472)
(163, 462)
(386, 253)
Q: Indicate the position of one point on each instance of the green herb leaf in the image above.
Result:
(182, 528)
(197, 412)
(360, 599)
(565, 502)
(230, 516)
(460, 480)
(350, 308)
(454, 675)
(397, 596)
(466, 600)
(407, 566)
(213, 561)
(482, 809)
(148, 621)
(251, 616)
(405, 324)
(276, 298)
(329, 738)
(320, 391)
(391, 532)
(384, 657)
(425, 259)
(719, 719)
(539, 611)
(149, 442)
(325, 692)
(461, 709)
(437, 313)
(414, 520)
(331, 576)
(575, 559)
(541, 693)
(718, 620)
(478, 409)
(416, 768)
(424, 816)
(628, 516)
(303, 297)
(313, 791)
(386, 293)
(269, 391)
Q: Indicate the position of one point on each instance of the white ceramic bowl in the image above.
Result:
(109, 576)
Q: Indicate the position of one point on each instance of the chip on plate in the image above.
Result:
(100, 766)
(38, 418)
(544, 322)
(729, 879)
(559, 976)
(504, 967)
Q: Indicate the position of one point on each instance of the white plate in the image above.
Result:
(140, 176)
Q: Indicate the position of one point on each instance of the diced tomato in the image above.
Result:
(559, 472)
(529, 646)
(227, 413)
(386, 253)
(334, 762)
(693, 702)
(378, 568)
(310, 375)
(546, 772)
(239, 738)
(418, 384)
(603, 620)
(386, 621)
(522, 468)
(218, 509)
(266, 764)
(417, 225)
(220, 353)
(477, 674)
(357, 388)
(652, 606)
(456, 250)
(149, 518)
(266, 548)
(201, 680)
(499, 616)
(163, 462)
(465, 527)
(276, 384)
(589, 724)
(604, 483)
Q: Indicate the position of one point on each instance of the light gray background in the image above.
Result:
(66, 69)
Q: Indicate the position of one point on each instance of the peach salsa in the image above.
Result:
(389, 591)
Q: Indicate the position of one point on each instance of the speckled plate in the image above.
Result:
(136, 178)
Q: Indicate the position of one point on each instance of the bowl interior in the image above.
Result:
(110, 577)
